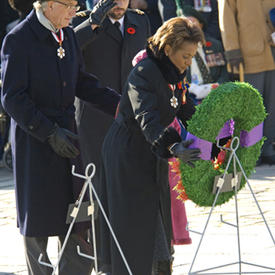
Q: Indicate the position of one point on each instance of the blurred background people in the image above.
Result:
(246, 30)
(167, 9)
(157, 11)
(23, 7)
(208, 68)
(209, 11)
(7, 15)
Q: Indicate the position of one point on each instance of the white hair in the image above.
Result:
(40, 5)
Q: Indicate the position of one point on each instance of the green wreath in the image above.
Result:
(237, 101)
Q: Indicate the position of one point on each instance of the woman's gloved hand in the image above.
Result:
(185, 154)
(100, 11)
(60, 143)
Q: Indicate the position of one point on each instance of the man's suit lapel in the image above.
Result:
(111, 30)
(130, 27)
(130, 21)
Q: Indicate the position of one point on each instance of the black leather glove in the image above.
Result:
(100, 11)
(61, 144)
(235, 63)
(234, 58)
(181, 151)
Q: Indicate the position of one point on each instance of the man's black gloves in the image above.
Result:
(234, 58)
(100, 11)
(181, 151)
(61, 144)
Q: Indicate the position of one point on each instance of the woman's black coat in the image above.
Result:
(135, 177)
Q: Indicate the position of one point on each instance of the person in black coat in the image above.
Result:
(108, 54)
(134, 183)
(42, 72)
(156, 10)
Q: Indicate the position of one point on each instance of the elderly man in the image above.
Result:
(42, 73)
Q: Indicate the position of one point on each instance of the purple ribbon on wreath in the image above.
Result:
(246, 138)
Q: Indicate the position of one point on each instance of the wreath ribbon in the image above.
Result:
(247, 139)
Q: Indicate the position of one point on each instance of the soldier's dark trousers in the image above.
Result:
(71, 263)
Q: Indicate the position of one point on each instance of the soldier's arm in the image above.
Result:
(85, 33)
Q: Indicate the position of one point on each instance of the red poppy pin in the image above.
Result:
(208, 44)
(131, 30)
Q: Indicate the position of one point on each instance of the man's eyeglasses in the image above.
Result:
(71, 7)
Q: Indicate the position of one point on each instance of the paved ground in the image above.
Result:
(219, 245)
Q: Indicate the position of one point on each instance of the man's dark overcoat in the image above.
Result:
(109, 57)
(39, 90)
(134, 179)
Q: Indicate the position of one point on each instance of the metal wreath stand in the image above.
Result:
(233, 148)
(88, 184)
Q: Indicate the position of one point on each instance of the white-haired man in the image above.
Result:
(42, 72)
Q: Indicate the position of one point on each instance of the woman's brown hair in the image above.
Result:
(174, 32)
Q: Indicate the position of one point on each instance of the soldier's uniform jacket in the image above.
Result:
(108, 56)
(215, 60)
(105, 53)
(38, 91)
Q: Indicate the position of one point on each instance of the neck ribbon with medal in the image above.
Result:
(182, 85)
(59, 39)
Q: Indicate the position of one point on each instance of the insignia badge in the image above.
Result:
(59, 40)
(60, 52)
(139, 11)
(81, 14)
(174, 102)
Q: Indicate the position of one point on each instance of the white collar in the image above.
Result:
(121, 22)
(45, 21)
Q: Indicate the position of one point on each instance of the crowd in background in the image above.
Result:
(218, 39)
(235, 32)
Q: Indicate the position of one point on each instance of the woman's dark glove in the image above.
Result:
(61, 144)
(100, 11)
(181, 151)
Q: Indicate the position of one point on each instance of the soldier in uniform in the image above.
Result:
(208, 68)
(42, 72)
(108, 51)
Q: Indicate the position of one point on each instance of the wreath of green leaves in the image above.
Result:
(237, 101)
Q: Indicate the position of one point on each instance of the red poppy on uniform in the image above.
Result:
(208, 44)
(131, 30)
